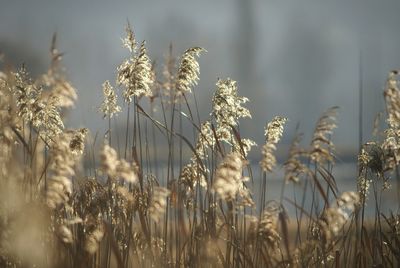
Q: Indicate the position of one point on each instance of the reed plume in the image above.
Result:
(321, 144)
(229, 181)
(65, 152)
(135, 73)
(273, 133)
(188, 71)
(109, 106)
(227, 110)
(117, 168)
(294, 167)
(158, 202)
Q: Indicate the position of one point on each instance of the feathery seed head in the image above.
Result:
(56, 85)
(294, 166)
(26, 93)
(274, 129)
(390, 147)
(62, 167)
(65, 234)
(129, 41)
(392, 98)
(205, 139)
(321, 145)
(65, 93)
(126, 171)
(158, 203)
(109, 160)
(268, 225)
(335, 217)
(348, 200)
(243, 146)
(58, 191)
(135, 75)
(189, 70)
(227, 110)
(372, 157)
(273, 133)
(33, 106)
(229, 181)
(93, 239)
(363, 185)
(227, 105)
(117, 168)
(77, 143)
(46, 117)
(109, 106)
(192, 174)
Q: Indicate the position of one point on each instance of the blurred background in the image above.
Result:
(291, 58)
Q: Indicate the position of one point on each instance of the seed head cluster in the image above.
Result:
(64, 158)
(135, 74)
(116, 168)
(273, 133)
(43, 113)
(335, 217)
(268, 226)
(391, 144)
(109, 106)
(229, 181)
(294, 167)
(321, 145)
(158, 202)
(227, 110)
(189, 70)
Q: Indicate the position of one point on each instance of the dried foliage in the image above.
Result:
(65, 202)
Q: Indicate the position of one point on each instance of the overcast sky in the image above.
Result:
(293, 58)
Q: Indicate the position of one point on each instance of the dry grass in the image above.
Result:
(201, 211)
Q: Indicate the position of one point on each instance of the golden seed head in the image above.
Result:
(189, 70)
(109, 106)
(136, 75)
(273, 133)
(158, 203)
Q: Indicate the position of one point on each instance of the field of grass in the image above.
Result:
(72, 198)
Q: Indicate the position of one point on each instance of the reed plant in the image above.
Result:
(69, 198)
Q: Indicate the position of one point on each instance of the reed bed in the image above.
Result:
(69, 198)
